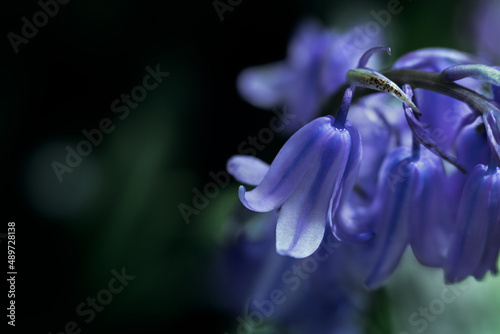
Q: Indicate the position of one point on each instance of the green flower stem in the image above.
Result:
(434, 82)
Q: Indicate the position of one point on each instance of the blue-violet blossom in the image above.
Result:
(309, 171)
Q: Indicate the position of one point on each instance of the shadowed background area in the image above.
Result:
(83, 222)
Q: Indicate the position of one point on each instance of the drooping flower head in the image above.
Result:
(407, 209)
(475, 242)
(412, 190)
(308, 171)
(384, 179)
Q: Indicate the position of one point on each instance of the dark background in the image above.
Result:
(119, 207)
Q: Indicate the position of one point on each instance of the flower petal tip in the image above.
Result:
(241, 193)
(295, 252)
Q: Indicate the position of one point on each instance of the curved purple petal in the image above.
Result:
(394, 200)
(490, 256)
(352, 167)
(430, 215)
(302, 218)
(468, 241)
(344, 223)
(289, 167)
(247, 169)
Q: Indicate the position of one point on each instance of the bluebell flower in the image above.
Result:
(408, 210)
(382, 181)
(306, 174)
(317, 62)
(475, 242)
(410, 189)
(410, 207)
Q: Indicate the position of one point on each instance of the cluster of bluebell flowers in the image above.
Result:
(415, 164)
(410, 159)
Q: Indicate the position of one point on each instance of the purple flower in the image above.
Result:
(309, 171)
(410, 206)
(475, 242)
(317, 62)
(404, 193)
(408, 209)
(430, 216)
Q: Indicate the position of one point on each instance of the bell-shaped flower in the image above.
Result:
(430, 216)
(408, 209)
(309, 170)
(475, 242)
